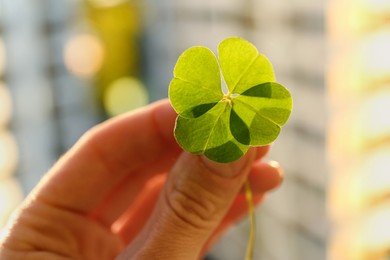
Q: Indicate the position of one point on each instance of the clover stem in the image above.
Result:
(252, 220)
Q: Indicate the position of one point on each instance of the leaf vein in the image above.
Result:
(258, 112)
(245, 71)
(213, 128)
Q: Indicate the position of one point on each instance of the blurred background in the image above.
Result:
(68, 65)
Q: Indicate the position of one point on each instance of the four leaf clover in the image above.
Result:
(222, 126)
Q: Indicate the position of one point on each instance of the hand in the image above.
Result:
(126, 189)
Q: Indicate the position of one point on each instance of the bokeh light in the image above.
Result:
(11, 195)
(84, 55)
(123, 95)
(375, 54)
(5, 105)
(107, 3)
(8, 154)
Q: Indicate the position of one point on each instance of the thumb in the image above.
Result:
(195, 198)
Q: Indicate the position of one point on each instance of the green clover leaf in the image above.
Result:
(222, 126)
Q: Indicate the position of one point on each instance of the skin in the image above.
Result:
(127, 190)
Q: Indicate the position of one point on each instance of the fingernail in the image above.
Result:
(229, 169)
(274, 164)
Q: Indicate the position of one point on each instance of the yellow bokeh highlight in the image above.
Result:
(84, 55)
(5, 105)
(8, 154)
(123, 95)
(349, 19)
(11, 196)
(107, 3)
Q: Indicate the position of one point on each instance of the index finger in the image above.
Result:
(140, 143)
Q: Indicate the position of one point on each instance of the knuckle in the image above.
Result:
(194, 206)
